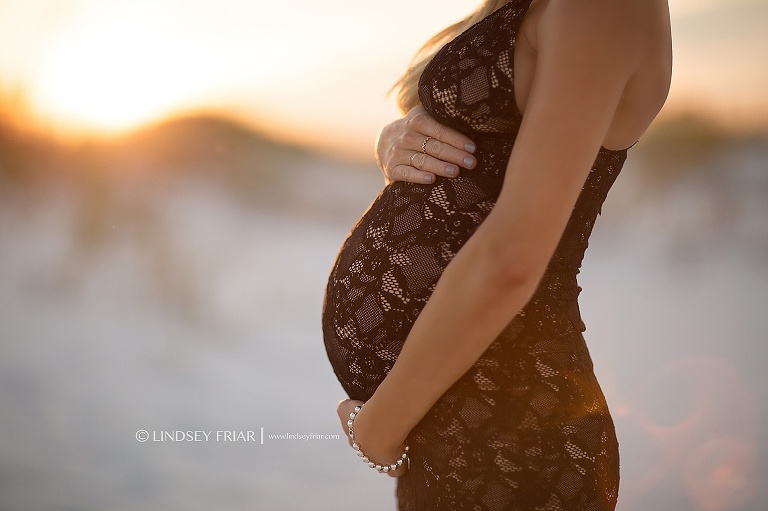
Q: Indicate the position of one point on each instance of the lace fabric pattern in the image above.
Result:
(527, 427)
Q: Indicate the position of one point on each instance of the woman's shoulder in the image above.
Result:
(626, 43)
(627, 36)
(624, 24)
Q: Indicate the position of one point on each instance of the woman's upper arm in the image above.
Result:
(584, 60)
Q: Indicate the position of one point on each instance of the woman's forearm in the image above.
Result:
(478, 294)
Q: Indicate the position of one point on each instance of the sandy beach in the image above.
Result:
(182, 311)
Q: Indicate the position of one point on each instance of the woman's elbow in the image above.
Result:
(514, 268)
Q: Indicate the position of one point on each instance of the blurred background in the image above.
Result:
(176, 178)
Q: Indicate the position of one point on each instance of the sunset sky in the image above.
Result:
(314, 72)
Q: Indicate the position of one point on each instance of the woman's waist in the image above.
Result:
(385, 255)
(534, 354)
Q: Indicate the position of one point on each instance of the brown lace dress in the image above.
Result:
(527, 427)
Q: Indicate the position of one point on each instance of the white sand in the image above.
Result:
(196, 313)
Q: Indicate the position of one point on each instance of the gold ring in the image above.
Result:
(410, 160)
(424, 145)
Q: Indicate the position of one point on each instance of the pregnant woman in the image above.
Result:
(451, 316)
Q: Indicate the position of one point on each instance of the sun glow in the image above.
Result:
(312, 72)
(113, 73)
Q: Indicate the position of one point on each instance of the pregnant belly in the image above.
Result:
(384, 274)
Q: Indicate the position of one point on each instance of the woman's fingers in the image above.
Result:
(410, 174)
(419, 122)
(444, 156)
(428, 149)
(418, 149)
(422, 168)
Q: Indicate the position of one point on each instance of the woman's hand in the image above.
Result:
(367, 441)
(403, 154)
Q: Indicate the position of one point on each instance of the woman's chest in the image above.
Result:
(470, 83)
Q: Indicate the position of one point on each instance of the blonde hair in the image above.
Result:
(408, 84)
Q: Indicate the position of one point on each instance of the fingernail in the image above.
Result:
(470, 148)
(469, 161)
(451, 170)
(428, 178)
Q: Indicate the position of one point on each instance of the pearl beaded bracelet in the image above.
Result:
(403, 458)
